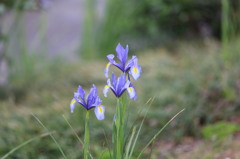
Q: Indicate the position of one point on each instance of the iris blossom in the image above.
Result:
(124, 64)
(119, 86)
(92, 101)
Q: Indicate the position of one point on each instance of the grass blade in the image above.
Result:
(75, 133)
(127, 155)
(156, 135)
(25, 143)
(58, 145)
(140, 127)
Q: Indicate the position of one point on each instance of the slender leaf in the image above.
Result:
(25, 143)
(156, 135)
(53, 138)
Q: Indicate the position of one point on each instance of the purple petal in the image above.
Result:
(119, 85)
(110, 58)
(92, 97)
(122, 84)
(98, 101)
(80, 101)
(114, 80)
(122, 53)
(130, 63)
(81, 93)
(112, 61)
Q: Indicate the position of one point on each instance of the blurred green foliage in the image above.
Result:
(182, 17)
(196, 82)
(18, 4)
(219, 130)
(193, 78)
(150, 23)
(22, 66)
(189, 79)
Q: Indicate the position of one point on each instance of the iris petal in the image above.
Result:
(130, 63)
(112, 61)
(92, 96)
(98, 101)
(107, 69)
(110, 58)
(120, 51)
(136, 70)
(114, 81)
(122, 54)
(99, 112)
(72, 105)
(131, 92)
(105, 90)
(81, 92)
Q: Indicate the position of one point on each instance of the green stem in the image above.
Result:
(119, 132)
(86, 137)
(225, 28)
(119, 125)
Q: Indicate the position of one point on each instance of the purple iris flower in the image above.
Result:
(92, 101)
(124, 64)
(119, 86)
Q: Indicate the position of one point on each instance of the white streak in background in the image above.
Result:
(3, 72)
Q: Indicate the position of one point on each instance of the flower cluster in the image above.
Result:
(128, 67)
(118, 85)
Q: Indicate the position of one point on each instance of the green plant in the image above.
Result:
(219, 130)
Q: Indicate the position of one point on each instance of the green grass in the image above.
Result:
(189, 77)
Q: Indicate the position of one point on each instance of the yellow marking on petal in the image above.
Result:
(108, 64)
(135, 70)
(106, 87)
(130, 89)
(100, 109)
(73, 101)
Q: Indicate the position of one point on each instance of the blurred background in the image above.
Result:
(189, 52)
